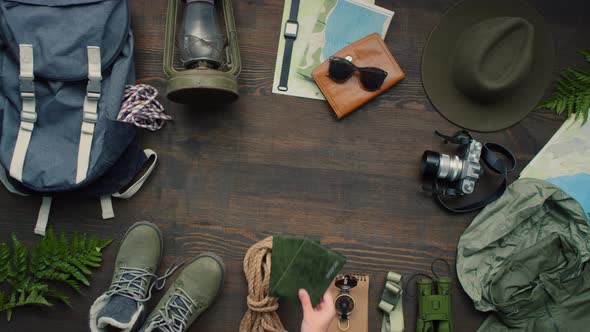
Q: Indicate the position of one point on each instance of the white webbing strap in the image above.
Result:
(396, 318)
(90, 114)
(134, 188)
(392, 304)
(106, 205)
(28, 115)
(43, 216)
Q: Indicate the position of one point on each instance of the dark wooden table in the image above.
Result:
(270, 164)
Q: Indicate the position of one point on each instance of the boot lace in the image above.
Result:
(137, 283)
(174, 315)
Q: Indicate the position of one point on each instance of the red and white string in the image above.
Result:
(141, 108)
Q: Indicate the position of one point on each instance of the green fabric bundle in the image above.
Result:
(302, 263)
(525, 258)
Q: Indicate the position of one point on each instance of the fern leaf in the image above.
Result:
(9, 305)
(75, 243)
(82, 243)
(19, 258)
(72, 271)
(58, 296)
(34, 298)
(91, 262)
(80, 265)
(52, 275)
(1, 301)
(74, 284)
(98, 243)
(572, 92)
(53, 258)
(95, 255)
(4, 263)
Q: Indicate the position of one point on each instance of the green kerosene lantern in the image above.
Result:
(206, 67)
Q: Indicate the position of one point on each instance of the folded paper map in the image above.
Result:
(300, 86)
(339, 24)
(565, 162)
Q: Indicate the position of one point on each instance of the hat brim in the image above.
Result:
(437, 64)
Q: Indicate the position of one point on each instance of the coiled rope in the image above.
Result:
(261, 315)
(141, 108)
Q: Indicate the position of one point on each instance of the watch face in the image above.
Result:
(344, 304)
(291, 29)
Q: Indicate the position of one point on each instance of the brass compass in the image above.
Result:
(344, 301)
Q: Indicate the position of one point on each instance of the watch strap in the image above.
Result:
(294, 10)
(286, 64)
(284, 80)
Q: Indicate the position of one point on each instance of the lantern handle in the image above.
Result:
(169, 38)
(232, 34)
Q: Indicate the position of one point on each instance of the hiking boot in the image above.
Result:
(137, 260)
(189, 296)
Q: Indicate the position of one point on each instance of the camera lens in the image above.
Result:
(430, 164)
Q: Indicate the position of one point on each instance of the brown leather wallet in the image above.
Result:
(345, 97)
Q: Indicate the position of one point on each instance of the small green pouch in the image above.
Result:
(302, 263)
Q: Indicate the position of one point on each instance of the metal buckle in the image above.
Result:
(30, 117)
(90, 117)
(27, 95)
(27, 85)
(93, 88)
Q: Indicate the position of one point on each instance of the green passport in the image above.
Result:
(302, 263)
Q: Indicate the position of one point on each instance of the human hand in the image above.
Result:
(317, 319)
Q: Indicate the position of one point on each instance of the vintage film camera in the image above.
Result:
(455, 175)
(458, 173)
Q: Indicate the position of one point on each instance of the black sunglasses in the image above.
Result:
(341, 70)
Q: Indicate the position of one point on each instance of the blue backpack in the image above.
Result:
(64, 65)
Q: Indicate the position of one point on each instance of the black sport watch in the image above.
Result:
(291, 30)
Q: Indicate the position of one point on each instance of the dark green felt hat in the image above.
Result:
(488, 63)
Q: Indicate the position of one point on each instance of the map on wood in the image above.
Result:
(565, 161)
(324, 28)
(339, 24)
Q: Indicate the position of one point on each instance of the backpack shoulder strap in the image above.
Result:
(90, 115)
(28, 113)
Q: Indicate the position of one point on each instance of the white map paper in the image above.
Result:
(565, 161)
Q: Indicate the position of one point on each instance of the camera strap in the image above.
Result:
(491, 155)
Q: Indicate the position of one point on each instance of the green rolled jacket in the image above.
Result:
(524, 258)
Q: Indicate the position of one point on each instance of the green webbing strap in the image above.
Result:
(391, 304)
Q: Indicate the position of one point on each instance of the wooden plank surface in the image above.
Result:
(268, 164)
